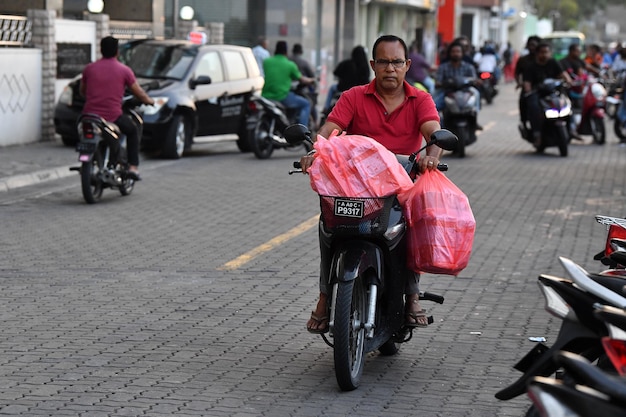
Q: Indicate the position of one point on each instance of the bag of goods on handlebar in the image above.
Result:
(356, 166)
(441, 225)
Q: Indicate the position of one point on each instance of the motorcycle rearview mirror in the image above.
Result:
(445, 139)
(297, 133)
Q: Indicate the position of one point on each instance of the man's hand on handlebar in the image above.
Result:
(306, 161)
(428, 163)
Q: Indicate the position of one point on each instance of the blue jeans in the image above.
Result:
(294, 101)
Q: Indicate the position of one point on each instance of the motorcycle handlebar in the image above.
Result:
(298, 167)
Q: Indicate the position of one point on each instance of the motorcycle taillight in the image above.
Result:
(88, 131)
(615, 232)
(616, 351)
(252, 107)
(485, 75)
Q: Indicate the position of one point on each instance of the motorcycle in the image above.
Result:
(266, 123)
(586, 390)
(459, 114)
(366, 237)
(588, 114)
(488, 88)
(556, 110)
(102, 152)
(573, 301)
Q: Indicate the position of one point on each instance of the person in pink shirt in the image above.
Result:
(103, 85)
(398, 116)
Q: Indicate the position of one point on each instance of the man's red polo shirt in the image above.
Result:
(360, 111)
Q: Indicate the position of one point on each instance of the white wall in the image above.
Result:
(20, 96)
(74, 31)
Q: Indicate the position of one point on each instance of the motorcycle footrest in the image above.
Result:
(74, 168)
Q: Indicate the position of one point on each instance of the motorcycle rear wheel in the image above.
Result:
(91, 184)
(262, 143)
(597, 130)
(348, 334)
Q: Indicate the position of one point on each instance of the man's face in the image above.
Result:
(456, 54)
(575, 52)
(390, 65)
(543, 54)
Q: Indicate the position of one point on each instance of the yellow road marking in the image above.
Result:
(270, 244)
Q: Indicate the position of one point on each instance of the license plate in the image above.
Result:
(349, 208)
(85, 147)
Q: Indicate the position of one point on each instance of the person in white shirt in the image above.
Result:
(261, 53)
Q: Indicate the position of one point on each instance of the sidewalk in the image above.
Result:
(24, 165)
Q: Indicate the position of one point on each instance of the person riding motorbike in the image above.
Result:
(520, 67)
(454, 67)
(543, 67)
(349, 72)
(280, 71)
(575, 67)
(396, 115)
(103, 84)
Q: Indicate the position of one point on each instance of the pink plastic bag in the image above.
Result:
(441, 225)
(356, 166)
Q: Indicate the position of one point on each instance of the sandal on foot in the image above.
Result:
(416, 315)
(322, 324)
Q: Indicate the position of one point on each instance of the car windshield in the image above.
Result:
(158, 61)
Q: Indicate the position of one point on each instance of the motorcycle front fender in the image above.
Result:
(352, 259)
(598, 112)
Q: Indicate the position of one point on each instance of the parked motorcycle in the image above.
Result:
(267, 121)
(488, 88)
(556, 110)
(573, 301)
(586, 390)
(102, 152)
(588, 113)
(459, 114)
(366, 237)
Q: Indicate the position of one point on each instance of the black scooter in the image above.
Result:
(573, 300)
(586, 390)
(99, 142)
(367, 271)
(556, 111)
(267, 121)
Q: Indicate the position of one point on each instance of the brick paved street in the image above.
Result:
(124, 308)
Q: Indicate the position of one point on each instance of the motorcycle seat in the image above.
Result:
(614, 283)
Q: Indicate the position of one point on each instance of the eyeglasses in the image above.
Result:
(383, 63)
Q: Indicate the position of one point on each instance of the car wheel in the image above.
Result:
(177, 138)
(245, 136)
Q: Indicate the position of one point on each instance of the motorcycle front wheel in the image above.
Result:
(597, 130)
(90, 180)
(262, 143)
(349, 335)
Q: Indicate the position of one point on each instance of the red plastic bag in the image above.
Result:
(441, 225)
(356, 166)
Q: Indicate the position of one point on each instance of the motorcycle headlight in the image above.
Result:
(154, 109)
(552, 113)
(565, 111)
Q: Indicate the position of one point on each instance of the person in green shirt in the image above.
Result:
(280, 72)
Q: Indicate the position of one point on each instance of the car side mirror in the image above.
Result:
(201, 80)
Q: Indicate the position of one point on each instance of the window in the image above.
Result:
(211, 65)
(235, 65)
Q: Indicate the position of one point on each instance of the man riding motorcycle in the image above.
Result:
(396, 115)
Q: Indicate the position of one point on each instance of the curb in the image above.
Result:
(24, 180)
